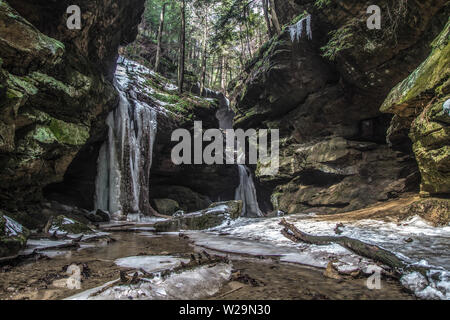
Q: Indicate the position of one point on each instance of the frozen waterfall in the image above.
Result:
(246, 190)
(123, 168)
(296, 30)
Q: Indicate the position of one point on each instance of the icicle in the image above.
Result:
(246, 192)
(123, 171)
(296, 30)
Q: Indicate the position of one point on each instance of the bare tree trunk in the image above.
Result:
(219, 69)
(242, 55)
(182, 47)
(211, 77)
(223, 74)
(204, 57)
(247, 34)
(266, 16)
(160, 31)
(275, 20)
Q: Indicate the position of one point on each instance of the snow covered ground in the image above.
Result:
(150, 263)
(429, 246)
(193, 284)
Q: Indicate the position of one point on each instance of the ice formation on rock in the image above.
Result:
(296, 30)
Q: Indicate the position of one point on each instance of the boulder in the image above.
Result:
(104, 215)
(98, 216)
(56, 90)
(187, 199)
(324, 95)
(434, 210)
(212, 217)
(166, 206)
(420, 100)
(64, 225)
(13, 236)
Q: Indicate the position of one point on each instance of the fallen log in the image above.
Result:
(70, 245)
(19, 258)
(363, 249)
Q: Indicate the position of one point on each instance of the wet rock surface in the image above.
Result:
(325, 94)
(419, 101)
(434, 210)
(215, 215)
(275, 280)
(56, 91)
(13, 236)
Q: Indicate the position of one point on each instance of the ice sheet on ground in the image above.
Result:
(150, 263)
(141, 219)
(43, 244)
(429, 244)
(149, 235)
(315, 256)
(198, 283)
(143, 229)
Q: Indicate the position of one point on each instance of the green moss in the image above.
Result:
(11, 245)
(69, 133)
(153, 84)
(340, 40)
(43, 135)
(76, 227)
(55, 46)
(50, 130)
(51, 83)
(433, 73)
(26, 84)
(302, 15)
(168, 98)
(322, 3)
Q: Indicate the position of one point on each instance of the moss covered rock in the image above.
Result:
(214, 216)
(421, 98)
(434, 210)
(55, 91)
(13, 236)
(166, 206)
(188, 200)
(61, 224)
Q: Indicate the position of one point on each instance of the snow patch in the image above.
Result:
(429, 246)
(150, 263)
(199, 283)
(12, 227)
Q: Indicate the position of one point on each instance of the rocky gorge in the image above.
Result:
(341, 150)
(85, 151)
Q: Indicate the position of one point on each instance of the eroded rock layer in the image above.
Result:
(325, 93)
(55, 91)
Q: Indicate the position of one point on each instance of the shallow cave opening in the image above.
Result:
(319, 178)
(78, 187)
(373, 129)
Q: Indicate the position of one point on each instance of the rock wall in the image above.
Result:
(419, 105)
(55, 89)
(325, 94)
